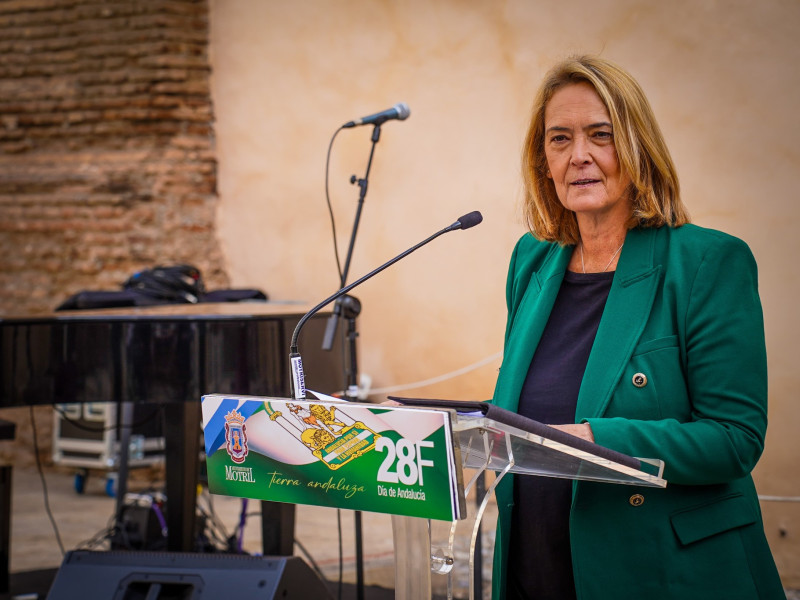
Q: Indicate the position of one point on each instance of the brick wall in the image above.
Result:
(106, 154)
(106, 146)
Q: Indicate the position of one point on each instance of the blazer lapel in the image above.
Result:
(529, 322)
(624, 317)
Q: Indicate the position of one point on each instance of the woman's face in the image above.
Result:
(581, 156)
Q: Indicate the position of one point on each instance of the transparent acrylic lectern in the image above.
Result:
(515, 445)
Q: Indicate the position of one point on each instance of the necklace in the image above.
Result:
(613, 256)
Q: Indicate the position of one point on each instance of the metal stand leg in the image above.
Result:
(277, 528)
(412, 558)
(125, 421)
(5, 525)
(181, 461)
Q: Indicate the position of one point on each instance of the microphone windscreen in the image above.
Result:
(402, 111)
(470, 219)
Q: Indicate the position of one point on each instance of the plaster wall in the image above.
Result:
(721, 77)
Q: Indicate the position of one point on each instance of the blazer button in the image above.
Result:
(636, 500)
(639, 380)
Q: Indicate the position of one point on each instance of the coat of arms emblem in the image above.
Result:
(327, 431)
(236, 436)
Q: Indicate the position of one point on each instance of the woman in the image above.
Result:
(631, 328)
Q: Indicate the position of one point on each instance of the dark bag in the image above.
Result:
(175, 284)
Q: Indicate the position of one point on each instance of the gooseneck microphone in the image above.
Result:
(298, 377)
(398, 111)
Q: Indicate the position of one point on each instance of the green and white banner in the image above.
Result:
(366, 457)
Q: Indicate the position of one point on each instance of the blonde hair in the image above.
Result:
(640, 146)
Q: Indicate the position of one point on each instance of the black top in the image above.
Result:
(540, 562)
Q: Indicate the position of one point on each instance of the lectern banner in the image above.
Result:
(340, 454)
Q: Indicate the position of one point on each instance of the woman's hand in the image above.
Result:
(581, 430)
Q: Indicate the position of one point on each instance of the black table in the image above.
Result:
(171, 356)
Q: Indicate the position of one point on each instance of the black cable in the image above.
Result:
(39, 468)
(101, 536)
(96, 540)
(212, 530)
(123, 536)
(341, 276)
(330, 208)
(216, 528)
(44, 482)
(314, 565)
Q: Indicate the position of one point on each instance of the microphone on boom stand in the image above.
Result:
(348, 308)
(298, 377)
(399, 111)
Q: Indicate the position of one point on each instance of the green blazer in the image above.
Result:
(684, 313)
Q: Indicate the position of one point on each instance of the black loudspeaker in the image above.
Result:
(121, 575)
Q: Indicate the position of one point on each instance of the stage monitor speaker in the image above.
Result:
(122, 575)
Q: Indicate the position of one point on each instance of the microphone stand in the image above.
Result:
(348, 307)
(348, 304)
(362, 184)
(298, 378)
